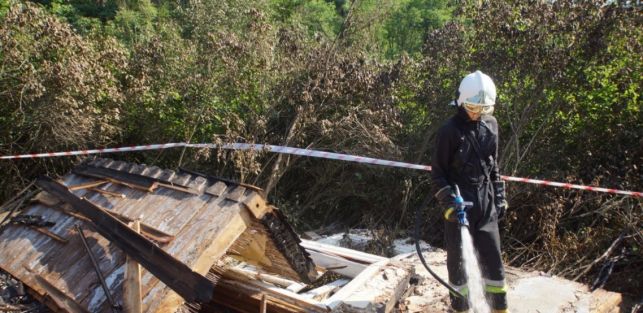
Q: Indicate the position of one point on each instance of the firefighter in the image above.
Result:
(466, 152)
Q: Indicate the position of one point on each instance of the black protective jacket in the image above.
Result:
(455, 160)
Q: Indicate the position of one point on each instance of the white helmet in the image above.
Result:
(477, 93)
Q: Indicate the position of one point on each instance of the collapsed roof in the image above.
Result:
(188, 221)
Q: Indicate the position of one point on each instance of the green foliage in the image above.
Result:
(409, 24)
(368, 77)
(4, 7)
(317, 17)
(134, 22)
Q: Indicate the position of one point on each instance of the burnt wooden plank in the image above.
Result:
(107, 163)
(181, 179)
(166, 175)
(287, 242)
(137, 169)
(236, 194)
(116, 165)
(127, 178)
(154, 172)
(98, 162)
(217, 189)
(198, 184)
(225, 180)
(176, 275)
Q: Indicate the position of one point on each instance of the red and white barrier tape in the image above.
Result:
(308, 153)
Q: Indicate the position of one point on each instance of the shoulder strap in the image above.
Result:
(476, 147)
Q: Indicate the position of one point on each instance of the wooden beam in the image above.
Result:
(49, 234)
(257, 205)
(353, 255)
(357, 283)
(179, 188)
(87, 185)
(107, 192)
(176, 275)
(132, 284)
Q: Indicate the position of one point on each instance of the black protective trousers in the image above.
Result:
(483, 226)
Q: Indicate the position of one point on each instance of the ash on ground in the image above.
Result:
(14, 297)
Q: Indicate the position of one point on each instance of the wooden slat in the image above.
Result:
(98, 162)
(166, 175)
(154, 172)
(133, 180)
(217, 189)
(132, 284)
(198, 184)
(117, 165)
(176, 275)
(236, 194)
(353, 255)
(224, 180)
(138, 169)
(181, 179)
(87, 185)
(355, 284)
(107, 192)
(179, 188)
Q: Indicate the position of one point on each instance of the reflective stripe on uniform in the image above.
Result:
(447, 213)
(495, 286)
(462, 289)
(494, 289)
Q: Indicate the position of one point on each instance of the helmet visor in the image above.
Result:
(479, 109)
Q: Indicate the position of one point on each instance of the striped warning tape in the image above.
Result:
(308, 153)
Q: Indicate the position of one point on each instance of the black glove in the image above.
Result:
(446, 199)
(499, 198)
